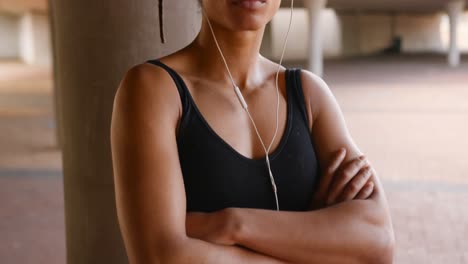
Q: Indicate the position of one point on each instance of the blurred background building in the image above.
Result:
(25, 31)
(398, 68)
(347, 28)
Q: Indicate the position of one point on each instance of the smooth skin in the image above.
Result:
(349, 220)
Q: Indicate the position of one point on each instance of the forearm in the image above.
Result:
(191, 250)
(351, 232)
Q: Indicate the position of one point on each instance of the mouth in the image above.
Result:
(249, 4)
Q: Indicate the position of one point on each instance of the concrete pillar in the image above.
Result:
(454, 9)
(96, 42)
(315, 50)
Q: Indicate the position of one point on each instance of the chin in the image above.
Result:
(248, 24)
(245, 15)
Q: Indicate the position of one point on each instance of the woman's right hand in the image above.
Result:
(344, 181)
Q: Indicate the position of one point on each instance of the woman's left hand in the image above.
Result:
(344, 181)
(218, 227)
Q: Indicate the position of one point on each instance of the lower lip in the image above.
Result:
(249, 4)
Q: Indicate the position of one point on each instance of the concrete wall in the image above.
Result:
(297, 44)
(354, 34)
(9, 36)
(365, 34)
(420, 33)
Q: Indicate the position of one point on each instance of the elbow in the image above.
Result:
(380, 245)
(381, 250)
(170, 251)
(383, 245)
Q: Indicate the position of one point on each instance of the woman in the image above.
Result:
(190, 174)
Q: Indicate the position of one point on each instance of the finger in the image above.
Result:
(366, 192)
(343, 176)
(327, 176)
(359, 181)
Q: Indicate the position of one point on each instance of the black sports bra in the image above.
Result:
(216, 176)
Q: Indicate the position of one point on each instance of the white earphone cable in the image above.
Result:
(245, 105)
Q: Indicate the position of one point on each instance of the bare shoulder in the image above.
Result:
(317, 93)
(150, 197)
(146, 89)
(313, 83)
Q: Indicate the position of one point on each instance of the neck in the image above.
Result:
(241, 49)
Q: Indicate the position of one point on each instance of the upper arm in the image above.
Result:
(150, 194)
(329, 131)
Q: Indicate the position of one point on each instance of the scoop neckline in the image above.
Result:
(275, 153)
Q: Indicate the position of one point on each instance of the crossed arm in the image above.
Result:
(348, 227)
(349, 232)
(151, 199)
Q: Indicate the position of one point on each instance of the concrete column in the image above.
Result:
(96, 42)
(454, 9)
(315, 49)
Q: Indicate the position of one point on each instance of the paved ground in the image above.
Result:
(409, 114)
